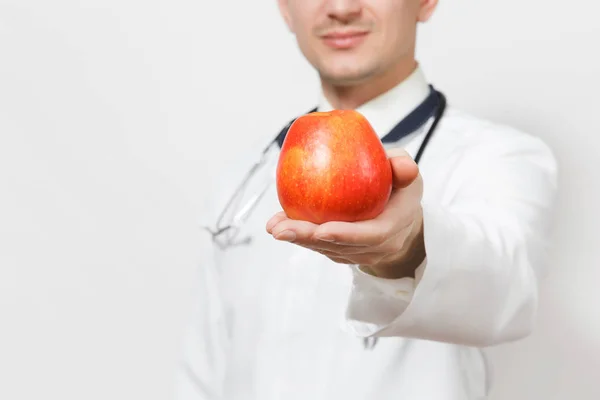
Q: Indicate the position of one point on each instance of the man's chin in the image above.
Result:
(346, 78)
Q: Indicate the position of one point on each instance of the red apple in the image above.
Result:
(333, 167)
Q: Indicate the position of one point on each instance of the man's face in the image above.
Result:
(350, 41)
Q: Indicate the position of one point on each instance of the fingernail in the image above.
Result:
(286, 236)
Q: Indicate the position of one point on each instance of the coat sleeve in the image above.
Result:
(200, 372)
(486, 248)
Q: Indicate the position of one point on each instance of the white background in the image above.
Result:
(106, 110)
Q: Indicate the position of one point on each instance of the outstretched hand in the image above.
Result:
(388, 246)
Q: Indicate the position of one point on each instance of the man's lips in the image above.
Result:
(344, 39)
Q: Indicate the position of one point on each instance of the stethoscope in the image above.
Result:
(237, 209)
(236, 212)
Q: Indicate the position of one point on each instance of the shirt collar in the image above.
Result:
(386, 110)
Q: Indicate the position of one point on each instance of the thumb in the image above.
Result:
(404, 168)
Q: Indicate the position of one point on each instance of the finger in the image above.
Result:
(396, 152)
(374, 234)
(275, 219)
(377, 231)
(404, 171)
(363, 233)
(332, 248)
(361, 259)
(290, 230)
(402, 201)
(404, 168)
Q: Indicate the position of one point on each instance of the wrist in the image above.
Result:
(405, 262)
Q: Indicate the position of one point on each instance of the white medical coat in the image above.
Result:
(274, 321)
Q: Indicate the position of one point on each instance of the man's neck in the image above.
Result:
(352, 96)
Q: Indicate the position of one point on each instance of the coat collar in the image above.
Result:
(393, 106)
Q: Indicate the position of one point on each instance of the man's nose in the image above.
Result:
(343, 10)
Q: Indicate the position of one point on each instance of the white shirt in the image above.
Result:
(274, 321)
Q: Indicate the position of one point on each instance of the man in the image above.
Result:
(398, 307)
